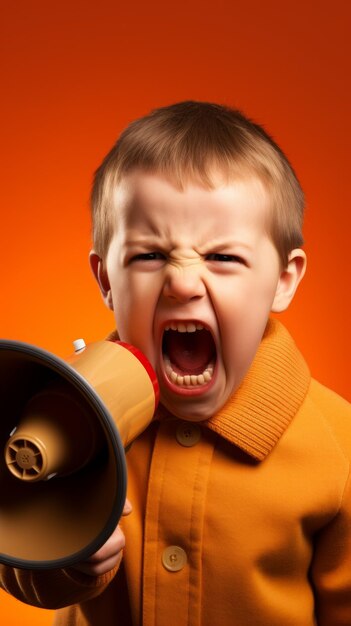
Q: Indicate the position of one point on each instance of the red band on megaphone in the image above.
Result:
(147, 366)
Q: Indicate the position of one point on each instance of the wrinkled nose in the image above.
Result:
(183, 283)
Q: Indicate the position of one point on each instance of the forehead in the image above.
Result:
(143, 199)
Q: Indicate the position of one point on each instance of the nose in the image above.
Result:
(184, 282)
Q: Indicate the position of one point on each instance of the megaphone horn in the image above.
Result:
(64, 428)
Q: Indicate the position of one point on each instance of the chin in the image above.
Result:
(190, 411)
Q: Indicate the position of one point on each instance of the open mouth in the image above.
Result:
(189, 354)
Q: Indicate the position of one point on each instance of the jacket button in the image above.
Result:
(174, 558)
(188, 434)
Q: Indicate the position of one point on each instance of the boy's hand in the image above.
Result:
(109, 554)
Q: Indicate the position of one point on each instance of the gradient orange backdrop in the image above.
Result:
(75, 73)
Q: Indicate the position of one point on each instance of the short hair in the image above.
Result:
(191, 141)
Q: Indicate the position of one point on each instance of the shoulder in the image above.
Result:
(333, 410)
(328, 400)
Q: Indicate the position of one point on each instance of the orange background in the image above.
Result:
(75, 73)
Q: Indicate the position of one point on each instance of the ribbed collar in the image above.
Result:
(259, 412)
(257, 415)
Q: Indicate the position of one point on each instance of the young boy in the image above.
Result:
(239, 489)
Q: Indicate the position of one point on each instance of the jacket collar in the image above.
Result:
(257, 415)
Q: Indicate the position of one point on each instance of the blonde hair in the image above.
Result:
(190, 141)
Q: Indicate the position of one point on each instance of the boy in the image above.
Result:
(240, 492)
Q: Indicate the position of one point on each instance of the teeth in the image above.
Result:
(184, 327)
(188, 380)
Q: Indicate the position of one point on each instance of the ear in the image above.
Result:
(100, 273)
(289, 280)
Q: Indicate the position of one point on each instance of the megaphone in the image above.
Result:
(64, 427)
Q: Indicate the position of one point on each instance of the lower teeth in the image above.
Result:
(188, 380)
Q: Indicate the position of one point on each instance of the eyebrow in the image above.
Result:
(222, 244)
(140, 241)
(218, 244)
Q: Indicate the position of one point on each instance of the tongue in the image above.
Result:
(190, 352)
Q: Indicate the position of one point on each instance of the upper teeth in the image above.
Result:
(184, 327)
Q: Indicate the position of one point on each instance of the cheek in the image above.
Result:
(134, 313)
(242, 320)
(248, 299)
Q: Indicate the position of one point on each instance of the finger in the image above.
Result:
(109, 555)
(98, 569)
(127, 507)
(106, 558)
(113, 545)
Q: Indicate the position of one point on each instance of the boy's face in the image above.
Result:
(192, 276)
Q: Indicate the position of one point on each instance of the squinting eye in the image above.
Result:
(148, 256)
(224, 258)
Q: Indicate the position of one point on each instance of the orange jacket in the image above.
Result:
(244, 520)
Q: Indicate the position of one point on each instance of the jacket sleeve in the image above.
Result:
(331, 568)
(52, 589)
